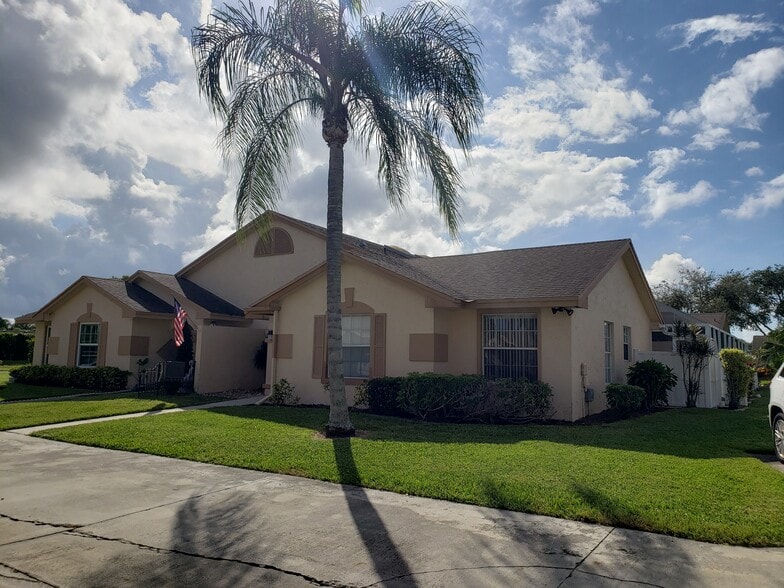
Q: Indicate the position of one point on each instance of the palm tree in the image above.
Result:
(395, 82)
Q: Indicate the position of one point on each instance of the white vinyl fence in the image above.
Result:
(713, 387)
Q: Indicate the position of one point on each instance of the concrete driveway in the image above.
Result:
(79, 516)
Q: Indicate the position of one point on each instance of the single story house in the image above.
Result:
(715, 326)
(572, 315)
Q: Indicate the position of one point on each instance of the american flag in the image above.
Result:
(179, 324)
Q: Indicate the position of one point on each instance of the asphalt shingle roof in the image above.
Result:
(186, 289)
(558, 271)
(561, 271)
(132, 295)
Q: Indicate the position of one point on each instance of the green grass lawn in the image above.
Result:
(29, 392)
(28, 414)
(25, 391)
(5, 369)
(679, 472)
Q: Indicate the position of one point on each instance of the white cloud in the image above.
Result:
(519, 190)
(668, 267)
(770, 195)
(5, 260)
(664, 196)
(728, 102)
(59, 184)
(723, 28)
(747, 145)
(754, 172)
(525, 61)
(94, 55)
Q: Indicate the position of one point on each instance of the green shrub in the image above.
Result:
(361, 395)
(283, 393)
(15, 346)
(382, 395)
(468, 397)
(107, 379)
(738, 372)
(624, 398)
(428, 396)
(655, 378)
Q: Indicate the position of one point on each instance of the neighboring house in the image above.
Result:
(574, 316)
(714, 325)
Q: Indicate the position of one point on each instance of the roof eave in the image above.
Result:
(567, 302)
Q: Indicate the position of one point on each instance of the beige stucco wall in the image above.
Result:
(461, 326)
(224, 357)
(109, 311)
(235, 275)
(614, 299)
(406, 313)
(38, 343)
(564, 342)
(159, 331)
(556, 366)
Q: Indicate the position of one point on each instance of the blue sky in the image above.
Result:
(659, 121)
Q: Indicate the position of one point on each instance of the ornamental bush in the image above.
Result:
(107, 379)
(738, 372)
(382, 395)
(468, 397)
(283, 393)
(624, 398)
(655, 378)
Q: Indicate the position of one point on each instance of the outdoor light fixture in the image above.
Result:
(557, 309)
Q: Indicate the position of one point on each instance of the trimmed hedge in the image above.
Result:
(107, 379)
(382, 395)
(438, 397)
(16, 346)
(624, 398)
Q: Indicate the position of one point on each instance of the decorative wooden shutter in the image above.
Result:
(102, 340)
(319, 339)
(73, 342)
(379, 361)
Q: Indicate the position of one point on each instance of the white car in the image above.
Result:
(776, 412)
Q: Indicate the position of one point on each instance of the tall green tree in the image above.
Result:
(399, 85)
(751, 299)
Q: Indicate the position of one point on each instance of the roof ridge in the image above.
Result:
(538, 247)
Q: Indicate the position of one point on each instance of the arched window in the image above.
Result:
(276, 242)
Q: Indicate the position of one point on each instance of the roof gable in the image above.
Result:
(183, 289)
(131, 297)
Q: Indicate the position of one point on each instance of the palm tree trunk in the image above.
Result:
(335, 134)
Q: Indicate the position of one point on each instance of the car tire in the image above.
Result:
(778, 436)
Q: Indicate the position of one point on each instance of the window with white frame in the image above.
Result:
(356, 346)
(609, 364)
(87, 353)
(510, 347)
(627, 343)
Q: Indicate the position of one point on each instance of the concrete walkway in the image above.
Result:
(237, 402)
(81, 516)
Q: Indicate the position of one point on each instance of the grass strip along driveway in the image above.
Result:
(16, 415)
(679, 472)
